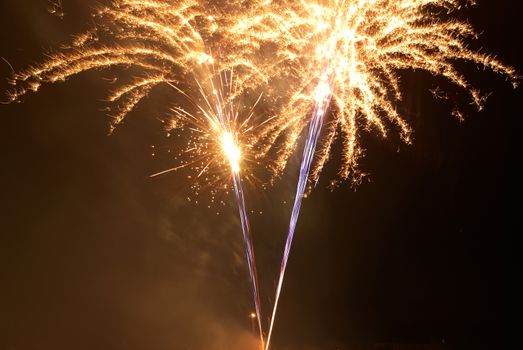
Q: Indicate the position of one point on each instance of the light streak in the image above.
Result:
(221, 127)
(348, 54)
(227, 120)
(340, 59)
(322, 101)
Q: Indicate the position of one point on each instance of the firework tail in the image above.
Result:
(320, 108)
(249, 248)
(220, 112)
(240, 200)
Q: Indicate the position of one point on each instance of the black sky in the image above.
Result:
(94, 255)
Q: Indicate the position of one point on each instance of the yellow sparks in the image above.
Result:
(216, 132)
(348, 52)
(351, 53)
(160, 39)
(342, 56)
(231, 151)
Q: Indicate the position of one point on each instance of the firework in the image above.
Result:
(165, 42)
(219, 137)
(348, 54)
(323, 96)
(329, 66)
(160, 39)
(285, 47)
(361, 46)
(217, 134)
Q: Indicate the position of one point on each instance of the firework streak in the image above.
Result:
(219, 130)
(227, 116)
(306, 55)
(249, 249)
(323, 98)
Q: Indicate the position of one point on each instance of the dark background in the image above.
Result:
(94, 255)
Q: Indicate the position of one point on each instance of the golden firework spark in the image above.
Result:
(218, 133)
(162, 39)
(307, 55)
(355, 49)
(220, 129)
(289, 49)
(166, 41)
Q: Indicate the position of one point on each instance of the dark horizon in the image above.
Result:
(96, 255)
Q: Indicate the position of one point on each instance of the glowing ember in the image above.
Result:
(231, 151)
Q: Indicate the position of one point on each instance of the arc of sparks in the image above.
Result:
(306, 54)
(368, 43)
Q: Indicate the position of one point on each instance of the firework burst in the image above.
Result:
(358, 47)
(217, 134)
(328, 67)
(348, 54)
(166, 42)
(219, 139)
(161, 39)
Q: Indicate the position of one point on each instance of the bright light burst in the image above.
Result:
(286, 47)
(355, 50)
(332, 66)
(159, 38)
(232, 151)
(218, 135)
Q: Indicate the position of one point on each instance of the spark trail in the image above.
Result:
(348, 54)
(323, 97)
(222, 135)
(249, 250)
(287, 48)
(161, 42)
(227, 114)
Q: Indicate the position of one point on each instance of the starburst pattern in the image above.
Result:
(333, 66)
(218, 135)
(285, 48)
(216, 132)
(358, 47)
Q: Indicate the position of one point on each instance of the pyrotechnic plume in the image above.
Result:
(358, 47)
(348, 54)
(165, 41)
(309, 56)
(161, 39)
(219, 134)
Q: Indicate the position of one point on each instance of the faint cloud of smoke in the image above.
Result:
(203, 292)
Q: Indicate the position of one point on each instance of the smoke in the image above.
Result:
(200, 294)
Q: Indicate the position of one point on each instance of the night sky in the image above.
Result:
(96, 255)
